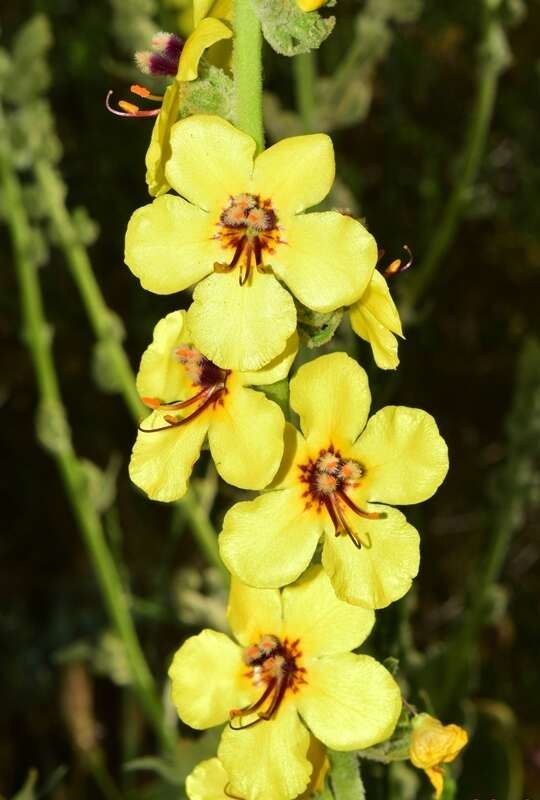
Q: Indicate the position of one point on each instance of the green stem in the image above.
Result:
(102, 321)
(491, 65)
(37, 338)
(305, 77)
(247, 71)
(96, 765)
(99, 314)
(203, 530)
(345, 776)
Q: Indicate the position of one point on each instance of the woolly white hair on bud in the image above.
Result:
(142, 59)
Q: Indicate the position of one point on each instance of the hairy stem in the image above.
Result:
(247, 71)
(305, 77)
(79, 264)
(37, 338)
(101, 319)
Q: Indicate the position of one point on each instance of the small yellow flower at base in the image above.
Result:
(193, 398)
(238, 232)
(434, 744)
(209, 781)
(290, 675)
(334, 479)
(375, 318)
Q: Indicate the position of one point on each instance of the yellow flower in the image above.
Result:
(375, 318)
(291, 673)
(209, 781)
(332, 482)
(434, 744)
(193, 398)
(241, 222)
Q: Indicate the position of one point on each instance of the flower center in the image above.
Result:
(328, 480)
(249, 226)
(272, 665)
(210, 380)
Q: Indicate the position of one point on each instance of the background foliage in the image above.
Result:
(397, 86)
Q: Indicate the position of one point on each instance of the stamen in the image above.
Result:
(329, 478)
(397, 267)
(250, 226)
(212, 395)
(142, 91)
(130, 110)
(352, 505)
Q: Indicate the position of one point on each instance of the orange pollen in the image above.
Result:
(248, 226)
(273, 665)
(330, 478)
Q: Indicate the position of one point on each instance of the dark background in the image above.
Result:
(459, 362)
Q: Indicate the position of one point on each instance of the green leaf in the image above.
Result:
(317, 329)
(345, 776)
(52, 428)
(289, 30)
(279, 393)
(100, 485)
(212, 93)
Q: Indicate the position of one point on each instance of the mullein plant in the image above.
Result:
(232, 220)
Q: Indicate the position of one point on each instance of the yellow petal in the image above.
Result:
(375, 318)
(160, 375)
(252, 613)
(328, 260)
(295, 452)
(159, 149)
(405, 457)
(384, 344)
(205, 679)
(246, 437)
(221, 9)
(436, 776)
(318, 756)
(208, 32)
(241, 327)
(376, 575)
(208, 781)
(295, 173)
(324, 624)
(378, 300)
(211, 160)
(268, 760)
(277, 369)
(269, 541)
(331, 395)
(169, 245)
(433, 743)
(162, 461)
(349, 702)
(310, 5)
